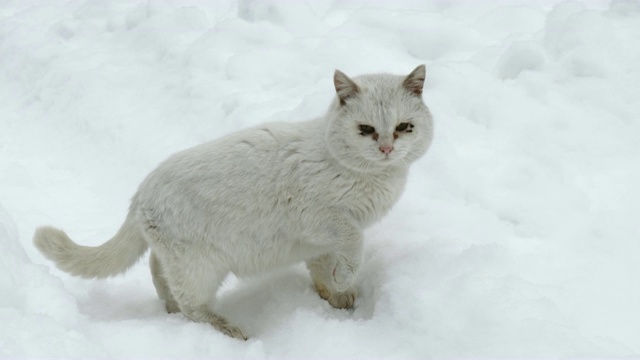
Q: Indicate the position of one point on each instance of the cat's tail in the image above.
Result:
(109, 259)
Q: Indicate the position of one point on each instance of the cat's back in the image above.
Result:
(249, 147)
(246, 185)
(250, 162)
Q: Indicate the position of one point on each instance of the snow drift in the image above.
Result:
(517, 234)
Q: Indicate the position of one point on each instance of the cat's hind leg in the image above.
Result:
(193, 281)
(321, 269)
(160, 282)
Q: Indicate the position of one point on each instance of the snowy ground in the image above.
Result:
(518, 234)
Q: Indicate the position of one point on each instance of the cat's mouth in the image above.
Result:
(389, 158)
(386, 159)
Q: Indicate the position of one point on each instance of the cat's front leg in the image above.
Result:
(333, 274)
(338, 299)
(345, 269)
(322, 269)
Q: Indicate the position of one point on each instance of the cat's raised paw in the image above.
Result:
(343, 299)
(339, 299)
(343, 276)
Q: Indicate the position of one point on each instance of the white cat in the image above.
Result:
(266, 197)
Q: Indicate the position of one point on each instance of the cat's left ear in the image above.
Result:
(345, 87)
(415, 81)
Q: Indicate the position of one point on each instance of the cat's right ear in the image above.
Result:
(415, 81)
(345, 87)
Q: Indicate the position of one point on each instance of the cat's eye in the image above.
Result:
(405, 126)
(366, 129)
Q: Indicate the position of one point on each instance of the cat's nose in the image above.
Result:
(386, 149)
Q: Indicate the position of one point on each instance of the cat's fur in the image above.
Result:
(265, 197)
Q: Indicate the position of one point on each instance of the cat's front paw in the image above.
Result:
(343, 299)
(343, 276)
(339, 299)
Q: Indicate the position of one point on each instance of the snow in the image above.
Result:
(517, 234)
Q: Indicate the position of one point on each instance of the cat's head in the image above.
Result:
(379, 120)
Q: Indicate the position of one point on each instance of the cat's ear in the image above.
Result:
(415, 81)
(345, 87)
